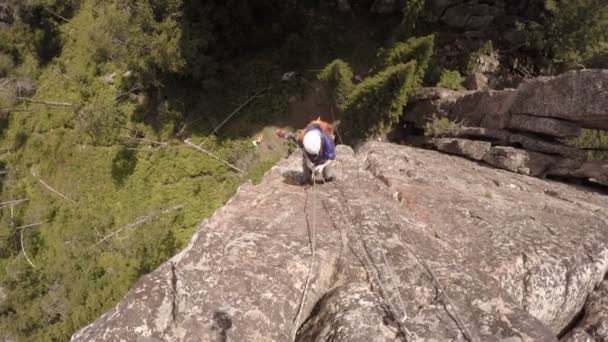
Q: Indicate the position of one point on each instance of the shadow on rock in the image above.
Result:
(293, 178)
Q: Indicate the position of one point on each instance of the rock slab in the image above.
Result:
(509, 250)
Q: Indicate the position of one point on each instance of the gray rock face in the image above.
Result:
(476, 81)
(516, 160)
(595, 321)
(579, 96)
(539, 145)
(509, 250)
(577, 335)
(532, 119)
(543, 125)
(468, 148)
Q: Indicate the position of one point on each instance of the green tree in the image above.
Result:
(419, 49)
(573, 32)
(377, 103)
(338, 78)
(450, 79)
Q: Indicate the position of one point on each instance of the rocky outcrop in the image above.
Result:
(533, 120)
(472, 149)
(579, 96)
(407, 242)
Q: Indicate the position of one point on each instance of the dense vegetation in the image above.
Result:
(102, 161)
(96, 147)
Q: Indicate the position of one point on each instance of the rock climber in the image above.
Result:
(318, 150)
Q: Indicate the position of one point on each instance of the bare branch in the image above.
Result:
(53, 190)
(137, 222)
(161, 143)
(11, 110)
(48, 103)
(187, 141)
(126, 93)
(25, 254)
(227, 118)
(13, 202)
(56, 14)
(31, 225)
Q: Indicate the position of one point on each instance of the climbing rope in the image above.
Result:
(411, 247)
(414, 251)
(369, 260)
(311, 238)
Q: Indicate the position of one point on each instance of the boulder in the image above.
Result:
(463, 147)
(577, 335)
(573, 99)
(476, 81)
(532, 143)
(547, 126)
(593, 169)
(579, 96)
(511, 159)
(488, 108)
(484, 133)
(508, 250)
(595, 321)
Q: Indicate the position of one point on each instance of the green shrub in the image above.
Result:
(594, 142)
(438, 127)
(338, 77)
(6, 65)
(474, 60)
(450, 79)
(411, 13)
(419, 49)
(377, 102)
(573, 32)
(101, 120)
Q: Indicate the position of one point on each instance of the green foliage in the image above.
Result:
(6, 65)
(141, 36)
(163, 70)
(419, 49)
(411, 13)
(102, 120)
(440, 126)
(574, 31)
(450, 79)
(377, 102)
(338, 77)
(474, 60)
(123, 165)
(595, 142)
